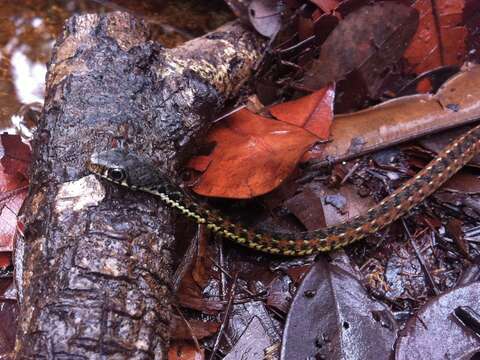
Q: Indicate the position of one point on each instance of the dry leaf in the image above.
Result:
(313, 112)
(440, 37)
(252, 157)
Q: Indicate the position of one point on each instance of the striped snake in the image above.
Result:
(128, 170)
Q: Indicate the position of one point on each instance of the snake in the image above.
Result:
(129, 170)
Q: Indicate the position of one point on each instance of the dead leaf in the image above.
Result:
(437, 142)
(425, 335)
(471, 273)
(455, 230)
(17, 156)
(197, 328)
(279, 296)
(313, 112)
(13, 190)
(252, 329)
(266, 16)
(463, 182)
(368, 41)
(181, 350)
(403, 275)
(200, 163)
(5, 260)
(252, 343)
(319, 206)
(8, 218)
(190, 292)
(239, 8)
(333, 317)
(13, 186)
(440, 37)
(326, 5)
(8, 319)
(253, 156)
(307, 207)
(406, 118)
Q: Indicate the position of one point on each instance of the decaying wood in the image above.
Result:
(93, 270)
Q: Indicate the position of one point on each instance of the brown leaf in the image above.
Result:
(368, 41)
(463, 182)
(202, 270)
(181, 350)
(454, 229)
(297, 273)
(308, 208)
(198, 328)
(440, 37)
(252, 157)
(313, 112)
(17, 155)
(239, 8)
(200, 163)
(319, 206)
(8, 319)
(279, 296)
(190, 292)
(406, 118)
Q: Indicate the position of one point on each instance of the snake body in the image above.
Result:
(131, 171)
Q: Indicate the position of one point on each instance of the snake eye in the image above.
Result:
(116, 174)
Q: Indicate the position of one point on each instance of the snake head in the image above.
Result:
(124, 168)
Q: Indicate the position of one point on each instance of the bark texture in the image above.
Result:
(94, 268)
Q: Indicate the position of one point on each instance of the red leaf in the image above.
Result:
(13, 186)
(440, 37)
(252, 157)
(13, 190)
(181, 350)
(326, 5)
(199, 163)
(424, 86)
(17, 156)
(313, 112)
(5, 260)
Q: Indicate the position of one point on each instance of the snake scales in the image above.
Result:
(128, 170)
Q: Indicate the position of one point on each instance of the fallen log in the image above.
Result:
(95, 263)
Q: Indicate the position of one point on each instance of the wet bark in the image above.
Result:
(94, 268)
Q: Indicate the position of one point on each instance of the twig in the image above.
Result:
(194, 338)
(225, 318)
(225, 272)
(420, 259)
(223, 279)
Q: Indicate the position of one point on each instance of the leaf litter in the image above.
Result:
(402, 268)
(398, 275)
